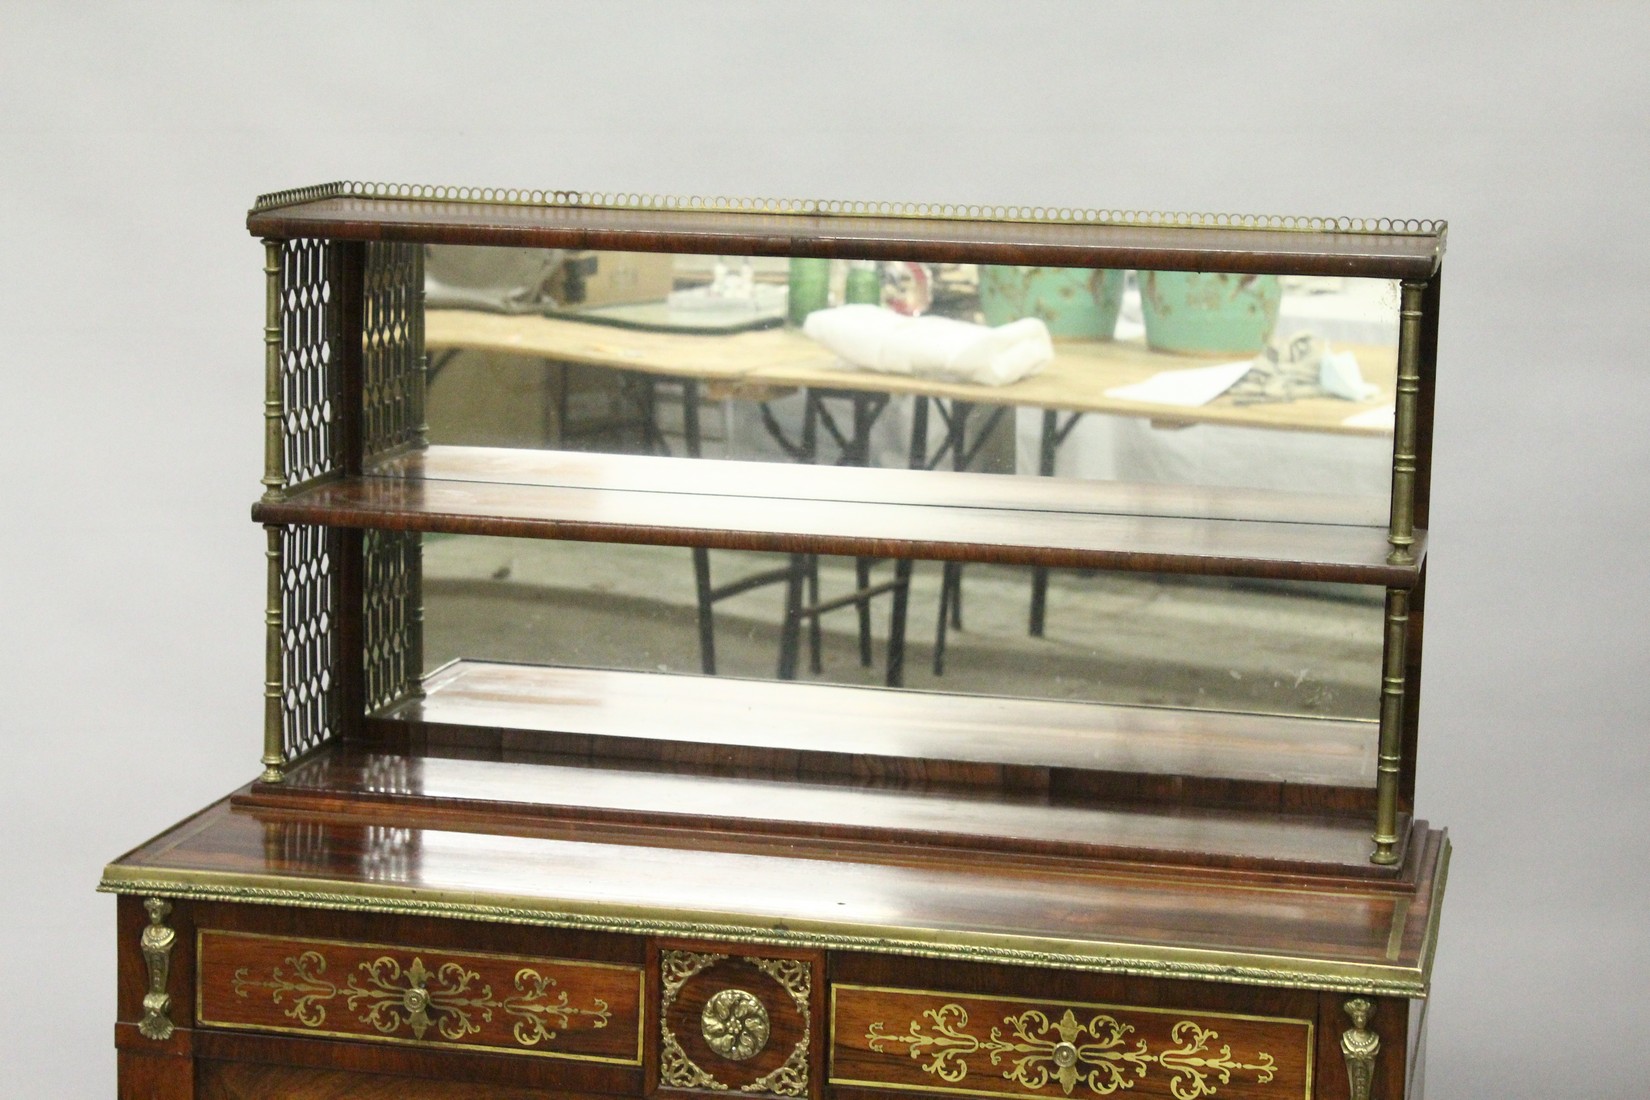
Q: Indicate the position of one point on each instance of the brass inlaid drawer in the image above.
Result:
(1002, 1046)
(554, 1008)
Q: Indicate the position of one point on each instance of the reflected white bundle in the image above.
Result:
(877, 339)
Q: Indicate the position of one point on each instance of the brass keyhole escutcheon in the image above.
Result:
(735, 1025)
(1065, 1055)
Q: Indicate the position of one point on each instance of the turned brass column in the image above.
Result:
(273, 757)
(1406, 407)
(274, 480)
(1390, 752)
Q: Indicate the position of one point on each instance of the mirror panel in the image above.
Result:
(713, 356)
(1186, 642)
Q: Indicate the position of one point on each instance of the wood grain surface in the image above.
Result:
(952, 819)
(1249, 927)
(755, 506)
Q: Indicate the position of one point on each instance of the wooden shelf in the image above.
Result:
(834, 510)
(454, 788)
(1384, 255)
(1048, 748)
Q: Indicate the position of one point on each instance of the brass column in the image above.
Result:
(273, 757)
(1401, 530)
(274, 481)
(1392, 724)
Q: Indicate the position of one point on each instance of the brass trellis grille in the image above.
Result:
(309, 331)
(392, 346)
(309, 669)
(393, 568)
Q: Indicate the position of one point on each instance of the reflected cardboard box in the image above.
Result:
(589, 280)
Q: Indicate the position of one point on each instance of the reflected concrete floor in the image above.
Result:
(1110, 637)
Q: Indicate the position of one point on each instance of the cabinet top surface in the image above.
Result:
(1377, 248)
(1373, 938)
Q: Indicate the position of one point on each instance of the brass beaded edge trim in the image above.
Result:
(622, 200)
(1190, 964)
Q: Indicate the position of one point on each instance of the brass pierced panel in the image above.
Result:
(393, 570)
(392, 346)
(309, 320)
(309, 657)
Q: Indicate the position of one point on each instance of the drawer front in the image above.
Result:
(554, 1008)
(1000, 1046)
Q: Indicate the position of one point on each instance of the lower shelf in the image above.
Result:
(1048, 747)
(439, 788)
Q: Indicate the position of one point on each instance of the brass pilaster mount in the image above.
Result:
(1359, 1046)
(156, 943)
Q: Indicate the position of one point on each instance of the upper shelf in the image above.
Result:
(851, 511)
(1381, 249)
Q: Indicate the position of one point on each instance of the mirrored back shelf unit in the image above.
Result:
(554, 482)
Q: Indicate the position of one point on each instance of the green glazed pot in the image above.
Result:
(1073, 302)
(810, 283)
(1209, 313)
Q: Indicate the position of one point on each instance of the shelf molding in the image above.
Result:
(754, 506)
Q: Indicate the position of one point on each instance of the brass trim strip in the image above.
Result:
(1241, 968)
(641, 996)
(404, 192)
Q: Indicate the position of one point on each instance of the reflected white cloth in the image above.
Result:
(878, 339)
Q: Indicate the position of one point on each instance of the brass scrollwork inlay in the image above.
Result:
(1096, 1053)
(156, 943)
(389, 997)
(1359, 1046)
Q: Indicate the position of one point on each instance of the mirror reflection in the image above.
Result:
(1282, 384)
(1311, 650)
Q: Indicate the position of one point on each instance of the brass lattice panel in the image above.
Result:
(393, 567)
(392, 346)
(309, 660)
(309, 347)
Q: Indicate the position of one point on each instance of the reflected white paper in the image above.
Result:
(1382, 417)
(1186, 388)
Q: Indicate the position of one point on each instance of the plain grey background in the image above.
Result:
(133, 137)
